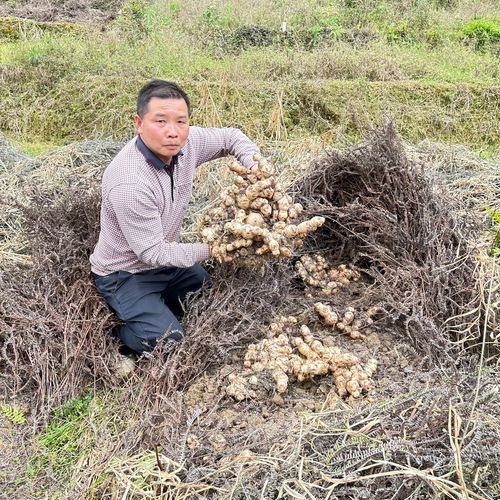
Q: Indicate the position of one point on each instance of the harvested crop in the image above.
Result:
(256, 219)
(317, 272)
(291, 352)
(350, 322)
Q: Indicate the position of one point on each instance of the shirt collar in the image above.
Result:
(151, 158)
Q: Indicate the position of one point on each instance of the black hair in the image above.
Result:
(162, 89)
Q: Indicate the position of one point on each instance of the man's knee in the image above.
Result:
(142, 337)
(189, 280)
(203, 275)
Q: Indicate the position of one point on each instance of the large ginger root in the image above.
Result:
(256, 219)
(349, 323)
(317, 272)
(291, 349)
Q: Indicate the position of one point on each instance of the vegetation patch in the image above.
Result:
(12, 28)
(440, 112)
(409, 244)
(61, 442)
(483, 33)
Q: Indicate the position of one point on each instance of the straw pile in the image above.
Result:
(427, 436)
(391, 219)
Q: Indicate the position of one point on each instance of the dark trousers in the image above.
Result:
(148, 302)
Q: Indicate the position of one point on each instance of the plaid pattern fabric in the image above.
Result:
(140, 223)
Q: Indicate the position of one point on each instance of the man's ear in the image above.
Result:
(138, 123)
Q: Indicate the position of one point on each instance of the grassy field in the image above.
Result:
(316, 68)
(299, 77)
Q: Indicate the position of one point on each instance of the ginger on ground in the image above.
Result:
(317, 272)
(349, 323)
(255, 219)
(290, 349)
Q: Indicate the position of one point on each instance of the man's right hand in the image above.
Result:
(217, 256)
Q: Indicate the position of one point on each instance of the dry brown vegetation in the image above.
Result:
(169, 431)
(81, 11)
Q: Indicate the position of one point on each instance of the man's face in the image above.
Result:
(165, 127)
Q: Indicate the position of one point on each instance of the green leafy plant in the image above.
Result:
(210, 15)
(143, 18)
(495, 247)
(15, 415)
(316, 34)
(60, 442)
(328, 29)
(482, 33)
(217, 28)
(400, 33)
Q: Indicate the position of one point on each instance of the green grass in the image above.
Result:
(73, 110)
(353, 61)
(35, 146)
(72, 433)
(61, 443)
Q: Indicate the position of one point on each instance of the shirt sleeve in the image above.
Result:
(139, 221)
(212, 143)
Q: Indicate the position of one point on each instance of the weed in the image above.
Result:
(174, 7)
(210, 15)
(35, 55)
(15, 415)
(141, 18)
(400, 33)
(61, 441)
(482, 33)
(495, 246)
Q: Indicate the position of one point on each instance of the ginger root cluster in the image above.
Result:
(350, 322)
(317, 272)
(290, 350)
(255, 219)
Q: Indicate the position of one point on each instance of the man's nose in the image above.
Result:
(171, 130)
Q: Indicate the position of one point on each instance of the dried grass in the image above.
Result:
(473, 181)
(429, 441)
(395, 221)
(413, 445)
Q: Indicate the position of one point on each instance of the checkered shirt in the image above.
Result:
(141, 215)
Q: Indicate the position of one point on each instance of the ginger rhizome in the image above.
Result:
(317, 272)
(350, 322)
(255, 219)
(290, 350)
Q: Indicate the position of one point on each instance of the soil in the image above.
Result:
(400, 369)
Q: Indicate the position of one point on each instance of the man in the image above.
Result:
(139, 265)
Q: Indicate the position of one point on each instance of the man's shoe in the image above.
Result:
(125, 365)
